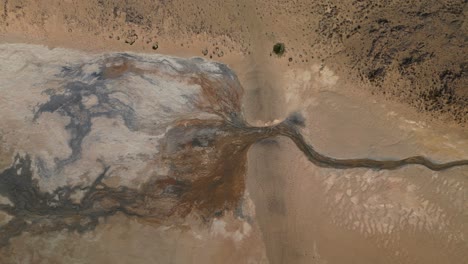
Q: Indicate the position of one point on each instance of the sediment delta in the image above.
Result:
(112, 153)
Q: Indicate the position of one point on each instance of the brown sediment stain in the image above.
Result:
(116, 67)
(219, 172)
(207, 186)
(207, 177)
(226, 101)
(206, 161)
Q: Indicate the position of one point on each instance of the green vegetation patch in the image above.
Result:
(279, 48)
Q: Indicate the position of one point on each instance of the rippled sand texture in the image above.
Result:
(132, 152)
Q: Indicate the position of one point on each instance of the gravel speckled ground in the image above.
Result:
(413, 52)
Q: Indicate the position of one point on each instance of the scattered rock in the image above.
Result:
(131, 37)
(376, 74)
(132, 16)
(205, 52)
(155, 46)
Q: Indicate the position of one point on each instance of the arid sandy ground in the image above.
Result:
(380, 79)
(409, 51)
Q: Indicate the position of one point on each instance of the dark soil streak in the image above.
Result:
(206, 189)
(207, 159)
(329, 162)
